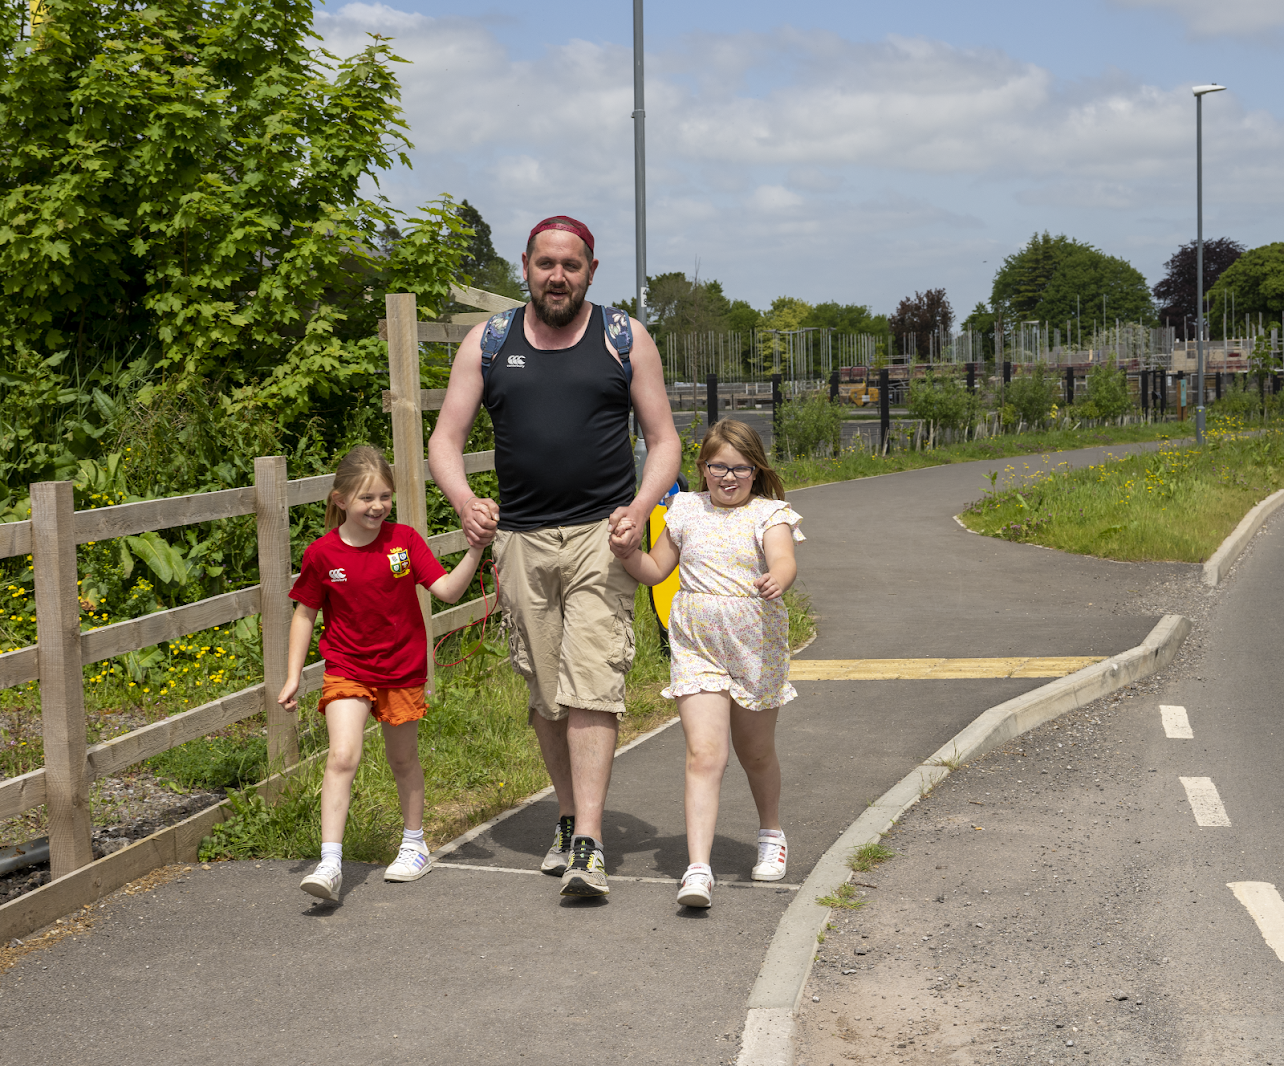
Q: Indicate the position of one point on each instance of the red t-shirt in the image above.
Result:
(374, 631)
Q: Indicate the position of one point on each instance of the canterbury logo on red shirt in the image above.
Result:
(338, 574)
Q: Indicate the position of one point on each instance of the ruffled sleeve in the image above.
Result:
(775, 513)
(674, 518)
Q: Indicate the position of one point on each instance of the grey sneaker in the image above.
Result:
(324, 882)
(586, 874)
(559, 855)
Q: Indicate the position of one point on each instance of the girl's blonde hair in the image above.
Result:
(360, 465)
(745, 440)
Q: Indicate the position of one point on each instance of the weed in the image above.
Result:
(845, 897)
(950, 762)
(868, 856)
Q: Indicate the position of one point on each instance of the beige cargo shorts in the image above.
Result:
(568, 608)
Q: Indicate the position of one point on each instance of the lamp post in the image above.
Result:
(639, 161)
(1200, 92)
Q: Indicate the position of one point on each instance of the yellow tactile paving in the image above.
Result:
(937, 669)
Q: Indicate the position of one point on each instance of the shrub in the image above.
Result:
(942, 401)
(811, 426)
(1108, 395)
(1031, 396)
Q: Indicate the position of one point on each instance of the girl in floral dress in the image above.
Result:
(733, 545)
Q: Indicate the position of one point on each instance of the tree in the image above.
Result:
(1257, 280)
(679, 304)
(922, 314)
(1176, 294)
(846, 318)
(487, 268)
(1056, 279)
(185, 178)
(982, 321)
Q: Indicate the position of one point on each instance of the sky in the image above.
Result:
(840, 150)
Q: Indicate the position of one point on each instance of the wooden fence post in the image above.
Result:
(408, 430)
(62, 681)
(272, 515)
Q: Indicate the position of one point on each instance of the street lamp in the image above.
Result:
(1200, 92)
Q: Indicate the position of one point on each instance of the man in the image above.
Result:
(559, 396)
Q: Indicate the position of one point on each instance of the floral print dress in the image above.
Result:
(723, 635)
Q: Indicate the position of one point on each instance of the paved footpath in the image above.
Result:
(488, 964)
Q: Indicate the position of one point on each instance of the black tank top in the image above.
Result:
(561, 430)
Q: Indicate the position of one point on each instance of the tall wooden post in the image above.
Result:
(272, 515)
(62, 681)
(408, 430)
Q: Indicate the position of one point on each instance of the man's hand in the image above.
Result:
(626, 529)
(480, 518)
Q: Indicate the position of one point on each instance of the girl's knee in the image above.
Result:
(706, 760)
(342, 759)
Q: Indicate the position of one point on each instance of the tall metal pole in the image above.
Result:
(1199, 267)
(639, 161)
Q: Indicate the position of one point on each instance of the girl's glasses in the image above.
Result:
(721, 470)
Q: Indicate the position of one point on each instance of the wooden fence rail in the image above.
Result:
(62, 650)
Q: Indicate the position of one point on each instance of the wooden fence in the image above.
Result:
(57, 659)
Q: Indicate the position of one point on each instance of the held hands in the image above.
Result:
(479, 518)
(768, 587)
(626, 533)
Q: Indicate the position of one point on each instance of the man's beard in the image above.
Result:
(558, 317)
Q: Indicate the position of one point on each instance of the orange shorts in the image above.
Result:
(391, 706)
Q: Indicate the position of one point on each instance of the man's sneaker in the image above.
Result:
(771, 858)
(586, 874)
(559, 855)
(412, 862)
(697, 886)
(324, 882)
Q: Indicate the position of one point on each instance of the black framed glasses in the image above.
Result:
(721, 470)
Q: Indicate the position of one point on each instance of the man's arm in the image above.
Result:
(663, 448)
(446, 445)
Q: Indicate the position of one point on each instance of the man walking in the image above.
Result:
(559, 393)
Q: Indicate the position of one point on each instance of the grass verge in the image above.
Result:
(1176, 504)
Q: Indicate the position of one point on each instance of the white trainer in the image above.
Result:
(324, 882)
(771, 857)
(412, 862)
(697, 886)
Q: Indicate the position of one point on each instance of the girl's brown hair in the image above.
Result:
(745, 440)
(360, 465)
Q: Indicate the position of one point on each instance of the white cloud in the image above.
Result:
(1226, 17)
(773, 149)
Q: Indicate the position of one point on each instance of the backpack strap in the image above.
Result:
(619, 331)
(493, 339)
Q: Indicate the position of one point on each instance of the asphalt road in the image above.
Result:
(489, 965)
(1071, 895)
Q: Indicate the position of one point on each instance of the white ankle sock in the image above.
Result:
(771, 833)
(412, 836)
(332, 854)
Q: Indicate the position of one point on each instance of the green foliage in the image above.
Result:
(1054, 278)
(187, 177)
(1107, 393)
(213, 762)
(943, 401)
(1030, 397)
(1257, 280)
(868, 856)
(811, 426)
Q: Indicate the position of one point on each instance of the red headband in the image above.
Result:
(564, 222)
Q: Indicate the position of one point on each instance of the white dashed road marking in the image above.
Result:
(1262, 900)
(1176, 724)
(1205, 801)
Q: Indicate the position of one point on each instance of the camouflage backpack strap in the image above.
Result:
(619, 331)
(493, 339)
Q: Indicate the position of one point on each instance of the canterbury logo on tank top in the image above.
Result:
(561, 421)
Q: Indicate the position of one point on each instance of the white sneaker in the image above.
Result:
(324, 882)
(697, 886)
(412, 862)
(771, 858)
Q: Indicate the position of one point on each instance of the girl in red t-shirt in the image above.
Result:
(363, 574)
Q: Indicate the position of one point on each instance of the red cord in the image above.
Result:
(445, 636)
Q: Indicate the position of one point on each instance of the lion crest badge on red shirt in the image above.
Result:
(399, 560)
